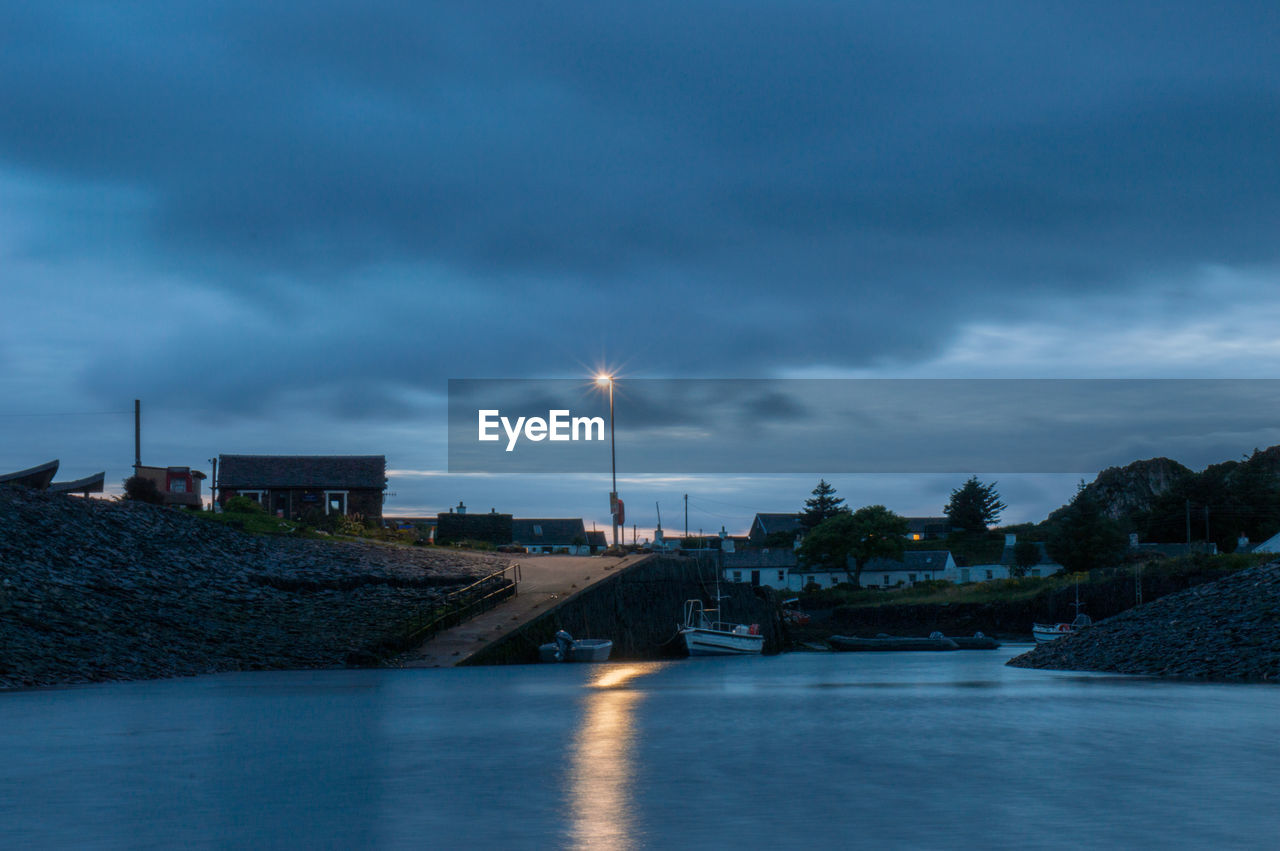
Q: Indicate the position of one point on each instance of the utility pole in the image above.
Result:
(137, 435)
(686, 515)
(213, 484)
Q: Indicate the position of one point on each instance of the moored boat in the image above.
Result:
(1050, 631)
(566, 648)
(705, 636)
(889, 642)
(977, 641)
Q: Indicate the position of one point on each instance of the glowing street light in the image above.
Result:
(606, 380)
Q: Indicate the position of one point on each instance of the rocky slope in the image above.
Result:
(1223, 630)
(93, 590)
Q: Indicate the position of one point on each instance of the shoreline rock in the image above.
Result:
(92, 591)
(1227, 630)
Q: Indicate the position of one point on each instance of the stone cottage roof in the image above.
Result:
(302, 471)
(548, 532)
(913, 560)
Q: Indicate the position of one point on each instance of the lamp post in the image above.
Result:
(604, 379)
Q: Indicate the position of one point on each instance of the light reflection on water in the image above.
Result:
(814, 750)
(601, 770)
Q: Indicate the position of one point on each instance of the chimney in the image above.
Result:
(461, 509)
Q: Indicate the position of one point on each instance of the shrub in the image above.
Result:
(242, 505)
(138, 489)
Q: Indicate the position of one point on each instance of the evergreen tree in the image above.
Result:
(1085, 538)
(824, 505)
(974, 506)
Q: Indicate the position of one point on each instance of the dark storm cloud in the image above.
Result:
(722, 169)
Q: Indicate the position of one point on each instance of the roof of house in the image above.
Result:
(597, 538)
(937, 525)
(302, 471)
(785, 557)
(913, 560)
(543, 532)
(1008, 555)
(770, 523)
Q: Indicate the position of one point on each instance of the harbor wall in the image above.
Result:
(640, 609)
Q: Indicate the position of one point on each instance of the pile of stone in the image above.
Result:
(94, 590)
(1224, 630)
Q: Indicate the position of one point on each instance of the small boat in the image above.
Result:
(705, 636)
(1051, 631)
(566, 648)
(889, 642)
(977, 641)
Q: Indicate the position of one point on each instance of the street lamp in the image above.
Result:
(605, 380)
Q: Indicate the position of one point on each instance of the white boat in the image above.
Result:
(566, 648)
(705, 636)
(1051, 631)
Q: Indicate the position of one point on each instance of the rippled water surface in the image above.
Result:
(919, 750)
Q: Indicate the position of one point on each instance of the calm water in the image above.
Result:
(948, 750)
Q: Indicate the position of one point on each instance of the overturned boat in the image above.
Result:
(37, 478)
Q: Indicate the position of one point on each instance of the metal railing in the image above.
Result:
(464, 604)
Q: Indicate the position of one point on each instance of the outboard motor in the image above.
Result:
(563, 642)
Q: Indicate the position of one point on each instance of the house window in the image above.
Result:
(990, 575)
(911, 577)
(808, 579)
(737, 576)
(178, 486)
(782, 576)
(256, 496)
(1035, 571)
(833, 580)
(335, 502)
(886, 579)
(537, 530)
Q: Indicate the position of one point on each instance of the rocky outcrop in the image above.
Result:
(1223, 630)
(1125, 491)
(93, 590)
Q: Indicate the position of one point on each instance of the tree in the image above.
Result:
(1025, 556)
(974, 506)
(870, 532)
(824, 505)
(1085, 537)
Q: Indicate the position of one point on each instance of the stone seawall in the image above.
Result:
(1224, 630)
(639, 610)
(94, 590)
(1012, 619)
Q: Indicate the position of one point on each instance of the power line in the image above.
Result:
(73, 414)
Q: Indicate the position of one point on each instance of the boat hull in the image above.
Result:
(581, 650)
(1050, 632)
(848, 643)
(715, 642)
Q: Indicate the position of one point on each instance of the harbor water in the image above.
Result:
(805, 750)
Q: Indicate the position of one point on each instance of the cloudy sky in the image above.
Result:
(284, 226)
